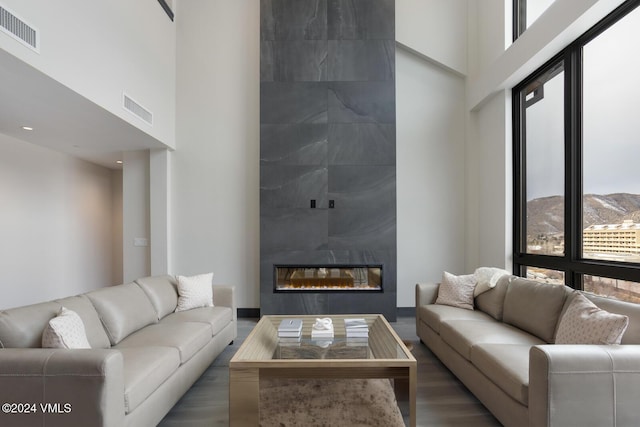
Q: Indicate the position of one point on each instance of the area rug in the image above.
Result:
(328, 403)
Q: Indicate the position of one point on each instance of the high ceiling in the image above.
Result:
(62, 119)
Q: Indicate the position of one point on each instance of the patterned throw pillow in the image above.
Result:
(66, 330)
(585, 323)
(457, 291)
(195, 292)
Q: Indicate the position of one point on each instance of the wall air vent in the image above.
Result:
(18, 29)
(138, 110)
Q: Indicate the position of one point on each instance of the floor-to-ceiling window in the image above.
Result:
(576, 163)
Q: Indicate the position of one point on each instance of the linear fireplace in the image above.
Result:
(331, 278)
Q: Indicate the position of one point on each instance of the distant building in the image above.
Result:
(620, 239)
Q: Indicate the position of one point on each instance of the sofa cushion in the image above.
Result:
(632, 310)
(217, 317)
(433, 315)
(93, 327)
(507, 366)
(22, 327)
(534, 306)
(66, 330)
(123, 309)
(584, 323)
(463, 335)
(457, 291)
(162, 292)
(145, 369)
(492, 301)
(187, 337)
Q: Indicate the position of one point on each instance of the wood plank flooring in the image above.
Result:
(441, 399)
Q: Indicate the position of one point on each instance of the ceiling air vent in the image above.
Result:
(18, 29)
(138, 110)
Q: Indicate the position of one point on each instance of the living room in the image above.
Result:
(185, 198)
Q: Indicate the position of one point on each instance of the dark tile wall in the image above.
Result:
(327, 132)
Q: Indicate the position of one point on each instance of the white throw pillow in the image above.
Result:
(487, 278)
(457, 291)
(584, 323)
(195, 292)
(66, 330)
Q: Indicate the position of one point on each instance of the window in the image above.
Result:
(544, 112)
(576, 179)
(546, 275)
(525, 12)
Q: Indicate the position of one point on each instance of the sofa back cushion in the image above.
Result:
(492, 301)
(629, 309)
(22, 327)
(96, 334)
(123, 309)
(162, 291)
(534, 306)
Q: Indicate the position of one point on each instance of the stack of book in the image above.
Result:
(356, 328)
(290, 330)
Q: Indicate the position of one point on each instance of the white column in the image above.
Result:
(159, 210)
(135, 215)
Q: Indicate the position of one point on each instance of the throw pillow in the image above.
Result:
(584, 323)
(195, 292)
(66, 330)
(487, 278)
(456, 291)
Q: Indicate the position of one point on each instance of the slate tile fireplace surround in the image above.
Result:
(327, 149)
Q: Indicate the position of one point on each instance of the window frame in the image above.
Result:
(572, 263)
(519, 18)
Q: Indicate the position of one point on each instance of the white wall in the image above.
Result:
(55, 224)
(430, 173)
(215, 172)
(488, 31)
(489, 197)
(102, 48)
(437, 29)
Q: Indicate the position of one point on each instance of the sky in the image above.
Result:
(611, 120)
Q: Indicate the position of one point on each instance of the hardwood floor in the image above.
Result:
(442, 400)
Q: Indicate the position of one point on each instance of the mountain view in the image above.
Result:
(545, 235)
(545, 216)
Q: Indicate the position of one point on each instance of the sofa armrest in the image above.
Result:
(584, 385)
(426, 293)
(55, 387)
(224, 296)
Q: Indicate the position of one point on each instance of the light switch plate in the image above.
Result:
(140, 241)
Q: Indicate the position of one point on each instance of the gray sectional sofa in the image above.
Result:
(503, 352)
(143, 356)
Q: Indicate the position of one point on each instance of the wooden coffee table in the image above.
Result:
(262, 356)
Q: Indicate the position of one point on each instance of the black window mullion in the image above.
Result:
(520, 174)
(573, 167)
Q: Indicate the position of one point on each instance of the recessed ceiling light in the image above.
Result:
(27, 128)
(119, 162)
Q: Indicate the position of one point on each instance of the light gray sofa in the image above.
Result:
(143, 356)
(503, 352)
